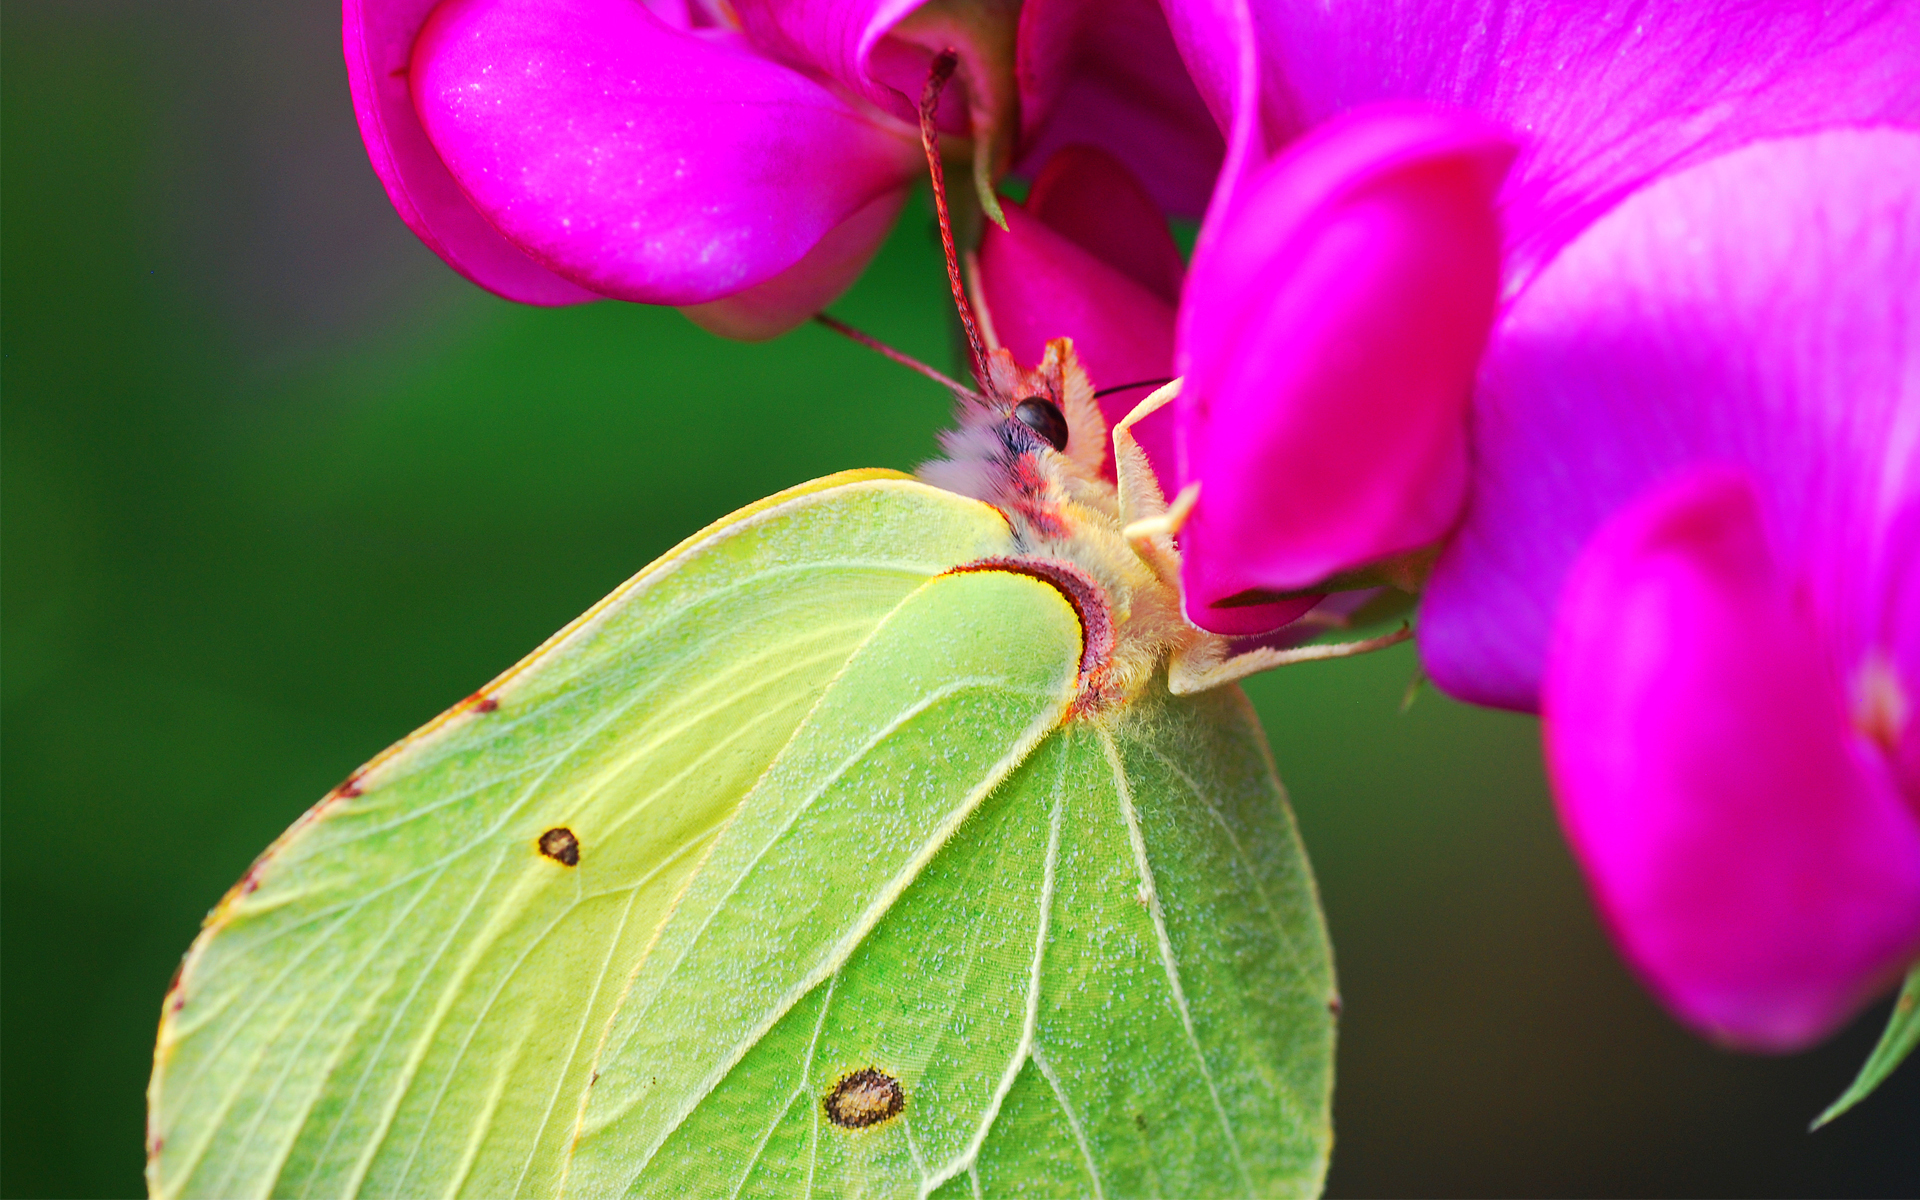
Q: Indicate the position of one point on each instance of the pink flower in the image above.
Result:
(1608, 307)
(1694, 540)
(740, 161)
(1345, 282)
(1628, 328)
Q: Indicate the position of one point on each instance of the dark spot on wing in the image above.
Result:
(1140, 1122)
(864, 1097)
(351, 787)
(1333, 1004)
(176, 999)
(561, 846)
(485, 704)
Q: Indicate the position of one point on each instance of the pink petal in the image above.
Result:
(1088, 197)
(1744, 843)
(642, 161)
(1041, 283)
(851, 41)
(1108, 73)
(769, 309)
(1328, 337)
(378, 38)
(1610, 95)
(1759, 309)
(1895, 648)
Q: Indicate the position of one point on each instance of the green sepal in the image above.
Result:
(982, 32)
(1390, 605)
(1896, 1042)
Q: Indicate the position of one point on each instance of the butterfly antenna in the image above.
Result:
(906, 360)
(937, 76)
(1127, 387)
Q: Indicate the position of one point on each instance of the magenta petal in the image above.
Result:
(1886, 685)
(1089, 198)
(1611, 95)
(642, 161)
(1744, 843)
(1039, 285)
(848, 40)
(1238, 620)
(378, 37)
(1759, 309)
(770, 308)
(1328, 337)
(1109, 73)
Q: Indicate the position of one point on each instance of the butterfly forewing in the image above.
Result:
(405, 995)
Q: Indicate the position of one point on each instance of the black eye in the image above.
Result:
(1043, 418)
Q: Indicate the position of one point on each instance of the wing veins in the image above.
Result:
(633, 891)
(546, 764)
(423, 1045)
(398, 1013)
(1030, 1020)
(1073, 1120)
(477, 1135)
(837, 954)
(1168, 961)
(1239, 852)
(233, 1093)
(580, 1028)
(853, 759)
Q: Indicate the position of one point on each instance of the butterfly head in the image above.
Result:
(1030, 440)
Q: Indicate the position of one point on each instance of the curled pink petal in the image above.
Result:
(848, 40)
(1245, 615)
(1610, 95)
(642, 161)
(1087, 196)
(378, 37)
(1757, 309)
(1331, 326)
(1041, 281)
(1745, 843)
(1109, 73)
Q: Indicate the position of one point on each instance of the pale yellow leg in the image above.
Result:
(1140, 494)
(1207, 664)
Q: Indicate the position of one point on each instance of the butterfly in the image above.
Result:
(893, 835)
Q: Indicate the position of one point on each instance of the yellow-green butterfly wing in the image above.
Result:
(1110, 980)
(787, 868)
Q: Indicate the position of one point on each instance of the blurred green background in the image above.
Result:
(278, 487)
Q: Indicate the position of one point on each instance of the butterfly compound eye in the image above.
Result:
(1044, 418)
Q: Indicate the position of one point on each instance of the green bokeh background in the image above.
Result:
(278, 487)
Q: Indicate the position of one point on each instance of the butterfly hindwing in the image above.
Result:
(946, 699)
(1112, 979)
